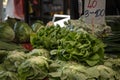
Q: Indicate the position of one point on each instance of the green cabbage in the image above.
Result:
(67, 71)
(13, 60)
(6, 32)
(34, 68)
(6, 75)
(60, 70)
(40, 52)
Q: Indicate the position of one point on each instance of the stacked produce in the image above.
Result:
(35, 65)
(20, 66)
(16, 31)
(73, 71)
(12, 32)
(68, 53)
(69, 45)
(99, 31)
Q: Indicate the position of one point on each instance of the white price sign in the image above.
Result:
(94, 11)
(65, 18)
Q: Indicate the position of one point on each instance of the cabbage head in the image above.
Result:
(40, 52)
(7, 75)
(14, 59)
(68, 71)
(6, 32)
(22, 32)
(34, 68)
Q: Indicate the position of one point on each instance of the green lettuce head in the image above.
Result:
(35, 68)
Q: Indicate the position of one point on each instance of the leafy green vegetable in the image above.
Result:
(106, 72)
(34, 68)
(113, 63)
(6, 32)
(70, 45)
(22, 32)
(6, 75)
(60, 70)
(73, 72)
(67, 71)
(40, 52)
(98, 30)
(13, 60)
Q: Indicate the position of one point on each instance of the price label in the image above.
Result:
(94, 10)
(61, 19)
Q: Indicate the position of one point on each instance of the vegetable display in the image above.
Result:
(70, 45)
(73, 71)
(55, 53)
(18, 65)
(15, 31)
(99, 31)
(24, 66)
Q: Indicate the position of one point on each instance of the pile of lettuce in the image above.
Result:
(18, 65)
(37, 65)
(69, 45)
(60, 70)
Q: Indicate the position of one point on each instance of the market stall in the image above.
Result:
(79, 50)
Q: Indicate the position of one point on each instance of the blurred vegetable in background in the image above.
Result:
(6, 32)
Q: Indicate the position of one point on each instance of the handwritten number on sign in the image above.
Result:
(92, 4)
(86, 13)
(99, 12)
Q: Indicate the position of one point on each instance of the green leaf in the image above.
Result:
(55, 74)
(94, 57)
(93, 72)
(92, 62)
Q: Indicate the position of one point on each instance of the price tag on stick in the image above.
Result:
(95, 9)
